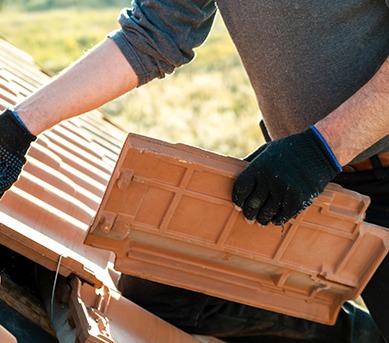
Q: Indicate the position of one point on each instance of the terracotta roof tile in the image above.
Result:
(168, 217)
(6, 336)
(62, 183)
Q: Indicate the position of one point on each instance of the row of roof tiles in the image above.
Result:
(46, 214)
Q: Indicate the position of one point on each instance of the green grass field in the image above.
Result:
(208, 103)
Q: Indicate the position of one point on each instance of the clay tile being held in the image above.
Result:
(168, 217)
(6, 336)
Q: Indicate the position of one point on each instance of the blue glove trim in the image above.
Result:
(318, 134)
(18, 119)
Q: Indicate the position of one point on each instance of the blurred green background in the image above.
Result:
(208, 103)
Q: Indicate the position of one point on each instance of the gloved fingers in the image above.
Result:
(290, 210)
(10, 169)
(3, 189)
(282, 218)
(243, 187)
(254, 203)
(4, 186)
(269, 210)
(255, 153)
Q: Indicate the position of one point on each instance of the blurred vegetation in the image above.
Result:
(207, 103)
(56, 37)
(43, 5)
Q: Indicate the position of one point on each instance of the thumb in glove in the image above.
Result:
(15, 139)
(284, 176)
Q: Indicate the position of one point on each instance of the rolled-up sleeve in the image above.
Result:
(157, 36)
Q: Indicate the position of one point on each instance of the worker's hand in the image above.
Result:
(15, 140)
(284, 176)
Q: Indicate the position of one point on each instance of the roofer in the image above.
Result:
(320, 71)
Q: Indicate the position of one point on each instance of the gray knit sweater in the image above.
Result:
(303, 57)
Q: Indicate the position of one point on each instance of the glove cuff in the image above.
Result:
(14, 136)
(322, 161)
(330, 154)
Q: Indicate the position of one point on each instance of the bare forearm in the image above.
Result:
(360, 121)
(100, 76)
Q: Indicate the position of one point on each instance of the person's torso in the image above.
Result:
(304, 58)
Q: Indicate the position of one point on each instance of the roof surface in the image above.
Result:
(46, 214)
(48, 210)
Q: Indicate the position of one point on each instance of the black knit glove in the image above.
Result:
(15, 140)
(284, 176)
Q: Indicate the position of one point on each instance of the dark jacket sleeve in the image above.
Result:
(157, 36)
